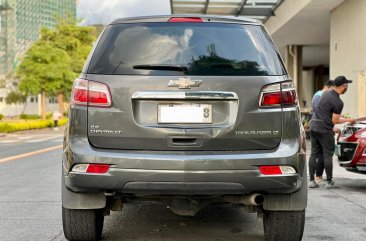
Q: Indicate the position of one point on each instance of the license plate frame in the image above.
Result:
(192, 113)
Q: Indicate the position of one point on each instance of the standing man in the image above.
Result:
(314, 103)
(56, 115)
(327, 114)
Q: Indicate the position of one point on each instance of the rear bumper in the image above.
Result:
(183, 173)
(169, 182)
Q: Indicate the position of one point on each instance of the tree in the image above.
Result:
(44, 69)
(55, 60)
(77, 42)
(2, 83)
(16, 97)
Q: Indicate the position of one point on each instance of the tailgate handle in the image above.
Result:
(184, 141)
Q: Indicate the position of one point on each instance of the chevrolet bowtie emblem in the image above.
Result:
(184, 83)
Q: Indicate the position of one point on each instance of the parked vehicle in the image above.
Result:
(189, 111)
(351, 149)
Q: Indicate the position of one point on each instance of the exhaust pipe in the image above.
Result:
(109, 193)
(254, 199)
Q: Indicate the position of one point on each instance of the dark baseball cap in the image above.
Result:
(340, 80)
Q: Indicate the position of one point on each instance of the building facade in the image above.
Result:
(20, 24)
(318, 40)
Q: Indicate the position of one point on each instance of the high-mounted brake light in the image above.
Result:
(91, 93)
(185, 20)
(277, 95)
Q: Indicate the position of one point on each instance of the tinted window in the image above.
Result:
(205, 48)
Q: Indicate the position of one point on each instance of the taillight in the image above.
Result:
(99, 95)
(185, 20)
(80, 92)
(289, 96)
(277, 95)
(271, 99)
(91, 93)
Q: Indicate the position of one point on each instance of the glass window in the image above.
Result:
(204, 48)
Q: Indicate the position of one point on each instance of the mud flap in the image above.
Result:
(296, 201)
(73, 200)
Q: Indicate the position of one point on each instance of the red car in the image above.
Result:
(351, 149)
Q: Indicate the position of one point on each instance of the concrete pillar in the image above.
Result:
(293, 61)
(306, 87)
(361, 93)
(39, 104)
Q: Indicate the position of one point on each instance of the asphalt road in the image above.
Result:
(28, 141)
(30, 206)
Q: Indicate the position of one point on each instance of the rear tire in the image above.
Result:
(82, 224)
(284, 225)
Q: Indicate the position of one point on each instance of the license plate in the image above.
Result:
(185, 113)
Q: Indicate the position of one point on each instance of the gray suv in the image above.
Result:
(189, 111)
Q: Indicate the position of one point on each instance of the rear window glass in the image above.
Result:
(202, 48)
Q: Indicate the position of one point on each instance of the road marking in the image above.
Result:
(44, 139)
(26, 137)
(12, 158)
(31, 139)
(9, 141)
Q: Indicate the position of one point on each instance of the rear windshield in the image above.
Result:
(202, 48)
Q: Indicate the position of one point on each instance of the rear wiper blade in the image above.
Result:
(161, 67)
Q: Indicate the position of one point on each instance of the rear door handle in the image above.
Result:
(185, 141)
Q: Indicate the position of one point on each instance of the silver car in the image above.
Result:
(189, 111)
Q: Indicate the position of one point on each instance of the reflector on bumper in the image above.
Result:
(91, 168)
(276, 170)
